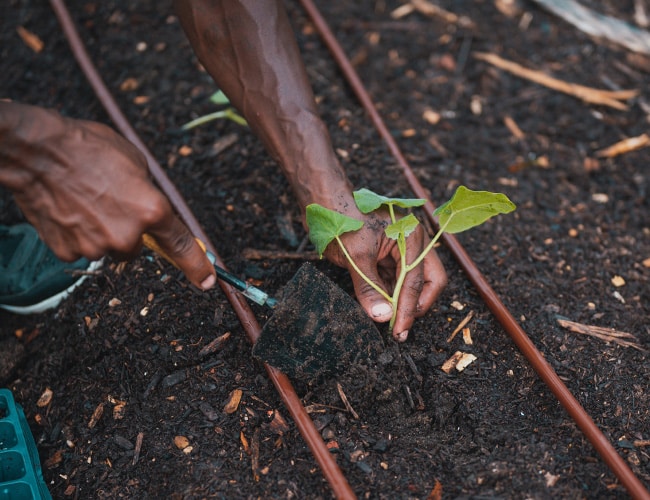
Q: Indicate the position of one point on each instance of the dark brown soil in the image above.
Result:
(129, 340)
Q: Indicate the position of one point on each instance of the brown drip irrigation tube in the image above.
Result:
(607, 452)
(337, 481)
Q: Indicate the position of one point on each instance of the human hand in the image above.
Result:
(378, 257)
(87, 191)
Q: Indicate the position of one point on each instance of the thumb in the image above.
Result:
(374, 303)
(175, 243)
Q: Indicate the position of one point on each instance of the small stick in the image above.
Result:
(606, 334)
(414, 368)
(590, 95)
(215, 345)
(255, 456)
(514, 129)
(460, 326)
(346, 402)
(409, 398)
(625, 146)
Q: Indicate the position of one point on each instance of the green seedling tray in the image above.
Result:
(21, 477)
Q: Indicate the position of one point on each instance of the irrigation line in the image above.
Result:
(337, 481)
(582, 419)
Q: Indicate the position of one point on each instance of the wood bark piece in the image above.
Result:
(590, 95)
(599, 25)
(233, 401)
(459, 360)
(607, 334)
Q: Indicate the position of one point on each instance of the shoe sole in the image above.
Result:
(54, 300)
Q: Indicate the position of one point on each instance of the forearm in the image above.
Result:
(249, 49)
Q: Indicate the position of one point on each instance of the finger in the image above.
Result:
(181, 247)
(408, 301)
(411, 300)
(375, 304)
(435, 280)
(124, 255)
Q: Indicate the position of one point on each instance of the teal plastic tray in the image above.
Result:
(21, 477)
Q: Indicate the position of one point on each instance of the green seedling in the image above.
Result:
(229, 113)
(465, 210)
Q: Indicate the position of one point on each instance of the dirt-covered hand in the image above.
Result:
(378, 257)
(87, 191)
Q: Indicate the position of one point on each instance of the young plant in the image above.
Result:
(220, 99)
(465, 209)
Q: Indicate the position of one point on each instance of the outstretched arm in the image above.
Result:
(250, 50)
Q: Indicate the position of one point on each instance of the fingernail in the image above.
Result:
(381, 310)
(402, 336)
(208, 282)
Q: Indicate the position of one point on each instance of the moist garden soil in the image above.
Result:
(139, 408)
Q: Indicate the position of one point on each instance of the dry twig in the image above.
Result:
(625, 146)
(460, 326)
(606, 334)
(590, 95)
(430, 9)
(347, 404)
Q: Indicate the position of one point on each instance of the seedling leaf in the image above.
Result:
(325, 225)
(405, 226)
(219, 98)
(368, 201)
(467, 209)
